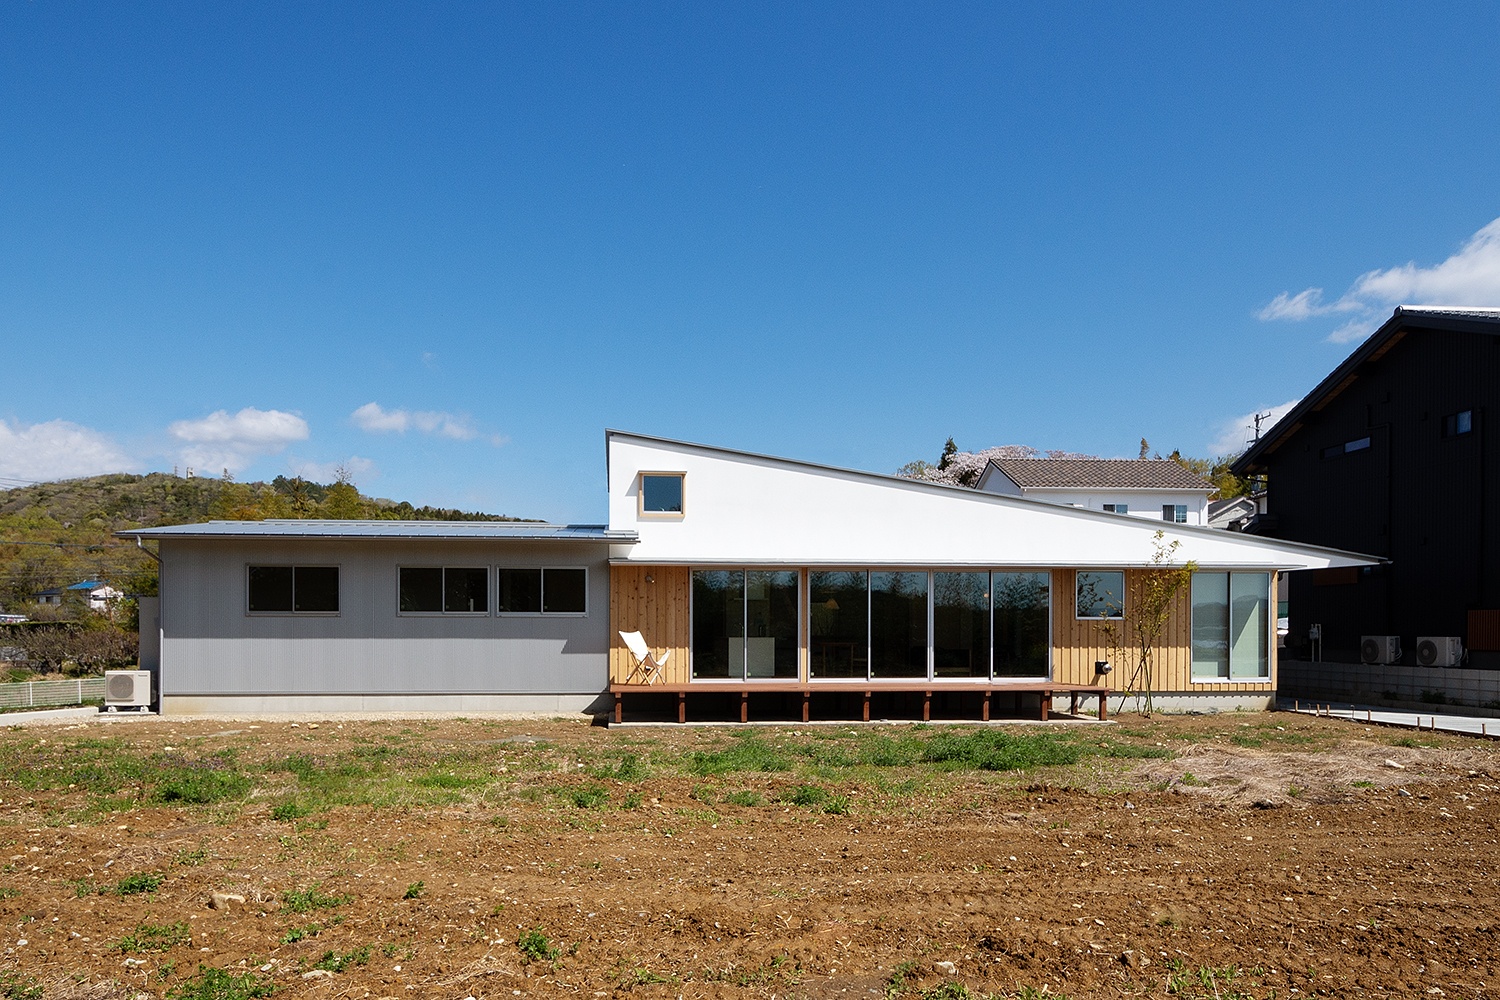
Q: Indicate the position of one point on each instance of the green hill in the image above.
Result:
(55, 534)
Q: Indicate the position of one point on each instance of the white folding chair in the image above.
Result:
(645, 660)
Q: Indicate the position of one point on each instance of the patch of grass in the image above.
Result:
(221, 984)
(745, 798)
(288, 811)
(899, 981)
(1364, 784)
(747, 753)
(996, 750)
(535, 946)
(6, 892)
(837, 805)
(200, 782)
(334, 961)
(413, 891)
(629, 768)
(14, 986)
(448, 779)
(590, 796)
(950, 990)
(135, 885)
(632, 801)
(312, 898)
(805, 795)
(191, 859)
(1190, 779)
(155, 937)
(638, 976)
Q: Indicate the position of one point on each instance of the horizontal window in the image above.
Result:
(1348, 447)
(1101, 594)
(445, 590)
(549, 590)
(1117, 508)
(287, 590)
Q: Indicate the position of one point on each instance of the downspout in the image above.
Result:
(156, 681)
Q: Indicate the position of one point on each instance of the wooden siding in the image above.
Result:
(1077, 644)
(657, 609)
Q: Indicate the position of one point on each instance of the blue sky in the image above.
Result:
(447, 245)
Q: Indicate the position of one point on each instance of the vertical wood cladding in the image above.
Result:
(1077, 644)
(657, 609)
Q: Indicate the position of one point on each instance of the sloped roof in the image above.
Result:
(1100, 473)
(1456, 319)
(510, 530)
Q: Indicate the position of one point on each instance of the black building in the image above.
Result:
(1392, 455)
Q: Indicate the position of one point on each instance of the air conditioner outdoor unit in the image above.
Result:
(127, 688)
(1440, 650)
(1380, 649)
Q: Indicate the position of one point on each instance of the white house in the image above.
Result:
(1154, 489)
(768, 586)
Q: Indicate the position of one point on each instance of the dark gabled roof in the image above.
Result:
(1100, 473)
(1217, 507)
(1452, 319)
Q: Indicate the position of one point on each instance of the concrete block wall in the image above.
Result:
(1461, 690)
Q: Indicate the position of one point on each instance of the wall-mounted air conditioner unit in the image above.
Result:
(127, 689)
(1380, 649)
(1440, 650)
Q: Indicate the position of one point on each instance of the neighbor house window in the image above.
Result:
(661, 492)
(288, 590)
(1455, 424)
(1231, 627)
(745, 623)
(546, 591)
(1101, 594)
(1174, 512)
(1348, 447)
(1117, 508)
(445, 590)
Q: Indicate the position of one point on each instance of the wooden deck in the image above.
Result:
(1046, 691)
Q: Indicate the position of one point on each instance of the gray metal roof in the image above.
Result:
(1100, 473)
(489, 530)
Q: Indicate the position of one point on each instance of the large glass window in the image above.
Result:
(1101, 594)
(838, 605)
(898, 624)
(436, 590)
(745, 623)
(1023, 622)
(293, 590)
(961, 624)
(1230, 626)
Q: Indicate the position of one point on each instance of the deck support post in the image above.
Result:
(681, 706)
(744, 706)
(867, 706)
(806, 696)
(986, 711)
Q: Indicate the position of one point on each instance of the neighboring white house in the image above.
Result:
(1155, 489)
(100, 594)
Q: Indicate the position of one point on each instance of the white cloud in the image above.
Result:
(224, 441)
(359, 469)
(1236, 433)
(57, 449)
(372, 417)
(1470, 277)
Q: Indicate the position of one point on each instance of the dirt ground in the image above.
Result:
(1271, 855)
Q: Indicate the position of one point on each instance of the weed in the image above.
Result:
(135, 885)
(1434, 697)
(950, 990)
(1190, 779)
(747, 753)
(535, 947)
(413, 891)
(630, 769)
(806, 795)
(155, 937)
(333, 961)
(704, 794)
(1295, 791)
(638, 976)
(304, 900)
(14, 986)
(745, 798)
(288, 811)
(191, 859)
(837, 805)
(590, 796)
(1364, 784)
(632, 801)
(301, 933)
(996, 750)
(6, 892)
(898, 982)
(221, 984)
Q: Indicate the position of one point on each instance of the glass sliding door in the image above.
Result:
(898, 624)
(718, 623)
(839, 614)
(961, 624)
(1023, 624)
(1231, 626)
(771, 624)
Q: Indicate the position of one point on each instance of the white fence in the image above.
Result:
(26, 694)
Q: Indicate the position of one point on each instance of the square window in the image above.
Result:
(315, 589)
(1101, 594)
(1174, 512)
(520, 591)
(564, 591)
(1458, 423)
(466, 591)
(661, 493)
(421, 589)
(271, 589)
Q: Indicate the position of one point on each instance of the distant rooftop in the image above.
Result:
(1100, 473)
(510, 530)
